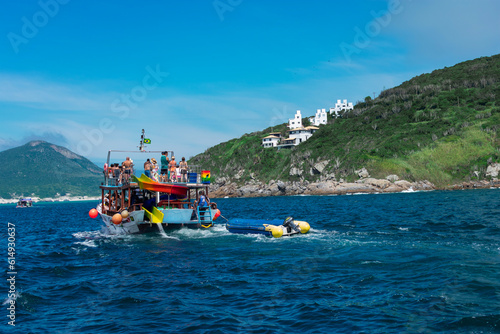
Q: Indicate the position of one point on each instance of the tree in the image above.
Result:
(368, 99)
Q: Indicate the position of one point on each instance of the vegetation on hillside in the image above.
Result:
(440, 126)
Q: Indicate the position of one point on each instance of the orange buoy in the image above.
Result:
(217, 214)
(116, 219)
(93, 213)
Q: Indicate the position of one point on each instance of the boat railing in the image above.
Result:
(193, 176)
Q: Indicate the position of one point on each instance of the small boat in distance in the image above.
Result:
(24, 203)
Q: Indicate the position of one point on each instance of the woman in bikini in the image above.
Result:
(172, 166)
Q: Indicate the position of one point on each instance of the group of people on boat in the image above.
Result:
(120, 173)
(169, 170)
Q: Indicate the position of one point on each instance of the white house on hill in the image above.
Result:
(344, 105)
(297, 133)
(320, 118)
(270, 141)
(302, 134)
(295, 122)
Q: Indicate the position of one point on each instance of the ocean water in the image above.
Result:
(424, 262)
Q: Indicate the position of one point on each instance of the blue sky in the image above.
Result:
(89, 75)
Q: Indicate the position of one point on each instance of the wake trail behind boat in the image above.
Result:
(163, 234)
(162, 231)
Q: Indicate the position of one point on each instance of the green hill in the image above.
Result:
(42, 169)
(440, 126)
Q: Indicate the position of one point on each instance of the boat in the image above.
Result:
(274, 228)
(142, 205)
(24, 203)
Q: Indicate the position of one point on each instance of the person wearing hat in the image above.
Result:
(172, 165)
(154, 170)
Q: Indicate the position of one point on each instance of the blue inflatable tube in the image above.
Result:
(253, 226)
(274, 228)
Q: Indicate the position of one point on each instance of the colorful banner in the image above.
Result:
(205, 176)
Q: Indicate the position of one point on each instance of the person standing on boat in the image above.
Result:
(154, 170)
(202, 203)
(147, 168)
(184, 169)
(118, 172)
(127, 168)
(172, 165)
(105, 171)
(164, 166)
(203, 200)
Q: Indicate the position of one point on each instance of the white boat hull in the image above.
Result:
(135, 223)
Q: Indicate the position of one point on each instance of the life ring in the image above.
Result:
(213, 205)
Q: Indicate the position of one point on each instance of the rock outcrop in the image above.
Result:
(493, 170)
(286, 188)
(362, 173)
(328, 184)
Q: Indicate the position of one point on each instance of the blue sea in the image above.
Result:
(423, 262)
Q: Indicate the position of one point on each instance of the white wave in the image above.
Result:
(200, 233)
(87, 243)
(89, 234)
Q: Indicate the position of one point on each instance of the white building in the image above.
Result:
(344, 105)
(287, 143)
(302, 134)
(297, 133)
(320, 118)
(270, 141)
(296, 122)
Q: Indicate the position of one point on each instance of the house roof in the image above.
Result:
(305, 129)
(271, 136)
(288, 139)
(275, 133)
(296, 129)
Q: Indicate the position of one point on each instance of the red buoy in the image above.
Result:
(93, 213)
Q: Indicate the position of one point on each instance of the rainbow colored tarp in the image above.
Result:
(205, 176)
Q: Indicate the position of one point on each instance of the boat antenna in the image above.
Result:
(141, 144)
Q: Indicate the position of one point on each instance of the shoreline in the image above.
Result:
(297, 188)
(51, 199)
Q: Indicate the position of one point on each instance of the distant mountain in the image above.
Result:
(440, 126)
(43, 169)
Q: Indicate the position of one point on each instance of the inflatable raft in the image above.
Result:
(274, 228)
